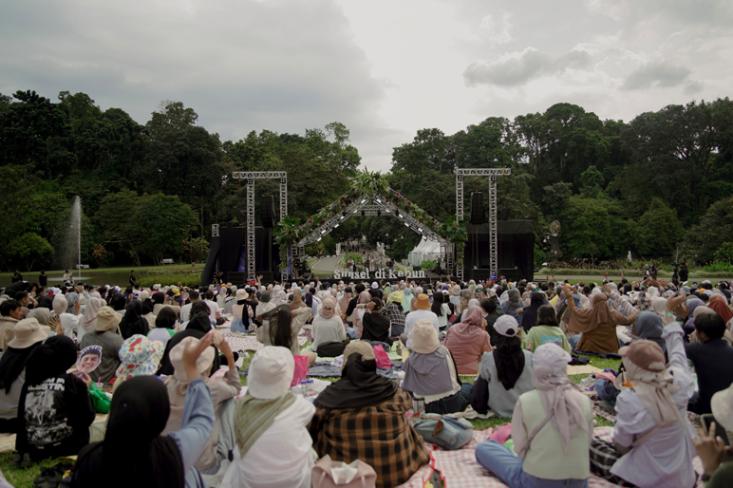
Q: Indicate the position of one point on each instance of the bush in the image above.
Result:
(719, 267)
(724, 254)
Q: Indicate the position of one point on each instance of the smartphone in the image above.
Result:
(706, 419)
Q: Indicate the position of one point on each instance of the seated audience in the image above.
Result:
(139, 356)
(375, 324)
(468, 341)
(329, 333)
(133, 321)
(374, 411)
(105, 335)
(29, 335)
(504, 373)
(717, 464)
(551, 430)
(422, 312)
(10, 313)
(273, 447)
(546, 331)
(165, 326)
(712, 358)
(134, 453)
(431, 374)
(54, 411)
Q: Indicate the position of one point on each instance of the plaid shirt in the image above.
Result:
(396, 319)
(379, 435)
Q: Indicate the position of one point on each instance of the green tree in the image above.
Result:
(162, 224)
(30, 250)
(714, 229)
(659, 230)
(724, 254)
(591, 181)
(594, 228)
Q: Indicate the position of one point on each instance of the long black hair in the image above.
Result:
(437, 305)
(281, 334)
(509, 359)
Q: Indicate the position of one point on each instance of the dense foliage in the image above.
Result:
(656, 186)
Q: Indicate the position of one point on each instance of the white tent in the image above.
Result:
(425, 250)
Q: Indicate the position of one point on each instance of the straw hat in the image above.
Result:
(424, 337)
(270, 373)
(422, 302)
(107, 320)
(359, 347)
(27, 333)
(203, 362)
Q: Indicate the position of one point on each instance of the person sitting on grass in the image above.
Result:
(105, 334)
(165, 326)
(221, 389)
(546, 331)
(717, 463)
(362, 416)
(329, 333)
(431, 375)
(597, 323)
(468, 341)
(551, 430)
(54, 411)
(134, 453)
(504, 373)
(29, 335)
(711, 357)
(273, 447)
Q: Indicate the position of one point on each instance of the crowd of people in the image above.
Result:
(160, 362)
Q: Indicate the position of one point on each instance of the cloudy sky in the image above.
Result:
(383, 67)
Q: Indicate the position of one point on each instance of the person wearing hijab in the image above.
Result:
(105, 335)
(362, 416)
(300, 313)
(54, 411)
(652, 436)
(273, 447)
(546, 331)
(513, 306)
(597, 323)
(133, 321)
(358, 315)
(88, 319)
(29, 334)
(529, 315)
(552, 426)
(329, 331)
(504, 373)
(468, 341)
(431, 374)
(719, 304)
(376, 326)
(692, 303)
(69, 321)
(649, 326)
(221, 389)
(134, 453)
(393, 311)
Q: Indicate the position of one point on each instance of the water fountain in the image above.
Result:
(71, 246)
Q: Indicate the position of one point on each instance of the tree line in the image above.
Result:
(658, 185)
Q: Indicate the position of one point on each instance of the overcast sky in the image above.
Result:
(385, 68)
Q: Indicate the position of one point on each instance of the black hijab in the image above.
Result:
(12, 364)
(359, 386)
(133, 452)
(50, 360)
(509, 359)
(376, 327)
(529, 316)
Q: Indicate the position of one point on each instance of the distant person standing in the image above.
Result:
(17, 277)
(132, 279)
(43, 279)
(684, 272)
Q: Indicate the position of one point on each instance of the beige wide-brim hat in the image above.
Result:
(721, 405)
(28, 332)
(424, 337)
(270, 373)
(203, 362)
(107, 320)
(358, 347)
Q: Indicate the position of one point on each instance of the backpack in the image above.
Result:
(448, 433)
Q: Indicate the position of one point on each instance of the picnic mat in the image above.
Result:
(461, 469)
(583, 369)
(328, 369)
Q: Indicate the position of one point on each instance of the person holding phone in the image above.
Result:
(713, 446)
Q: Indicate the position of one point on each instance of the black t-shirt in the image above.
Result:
(54, 417)
(712, 361)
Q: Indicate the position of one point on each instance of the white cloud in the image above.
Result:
(519, 67)
(659, 74)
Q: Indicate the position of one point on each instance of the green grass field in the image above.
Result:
(184, 274)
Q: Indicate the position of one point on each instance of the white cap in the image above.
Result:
(270, 373)
(506, 325)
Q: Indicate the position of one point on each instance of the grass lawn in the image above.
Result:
(24, 477)
(185, 274)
